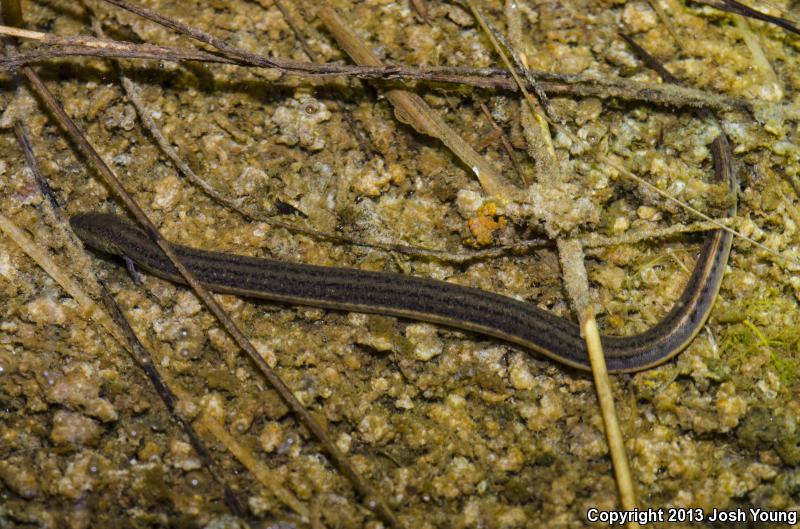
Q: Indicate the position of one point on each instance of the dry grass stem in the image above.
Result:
(538, 136)
(412, 109)
(70, 286)
(421, 7)
(760, 60)
(577, 285)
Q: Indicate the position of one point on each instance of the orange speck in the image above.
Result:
(484, 224)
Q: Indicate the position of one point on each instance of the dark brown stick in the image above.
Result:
(732, 6)
(12, 13)
(139, 353)
(287, 16)
(144, 360)
(649, 60)
(655, 65)
(369, 496)
(24, 140)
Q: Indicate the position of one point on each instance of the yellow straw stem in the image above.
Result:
(616, 445)
(577, 285)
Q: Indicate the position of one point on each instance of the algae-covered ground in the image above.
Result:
(455, 429)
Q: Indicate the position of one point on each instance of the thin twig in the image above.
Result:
(649, 60)
(498, 38)
(504, 140)
(553, 84)
(595, 240)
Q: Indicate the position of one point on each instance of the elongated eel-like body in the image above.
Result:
(430, 300)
